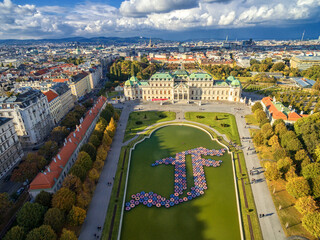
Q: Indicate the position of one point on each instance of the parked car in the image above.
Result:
(20, 191)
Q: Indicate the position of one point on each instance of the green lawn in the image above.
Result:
(216, 121)
(138, 121)
(211, 216)
(251, 120)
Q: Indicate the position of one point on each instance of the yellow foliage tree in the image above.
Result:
(76, 216)
(306, 205)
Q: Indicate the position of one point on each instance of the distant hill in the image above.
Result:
(94, 40)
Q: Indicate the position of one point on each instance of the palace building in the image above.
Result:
(180, 86)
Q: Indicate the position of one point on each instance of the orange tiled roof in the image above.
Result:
(60, 80)
(293, 116)
(50, 95)
(276, 114)
(47, 179)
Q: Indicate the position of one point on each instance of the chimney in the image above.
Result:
(54, 159)
(70, 140)
(59, 156)
(48, 169)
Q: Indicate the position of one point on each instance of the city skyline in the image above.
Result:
(170, 20)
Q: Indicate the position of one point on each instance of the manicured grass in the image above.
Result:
(138, 121)
(216, 120)
(112, 94)
(251, 120)
(288, 213)
(211, 216)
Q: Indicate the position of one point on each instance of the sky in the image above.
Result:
(166, 19)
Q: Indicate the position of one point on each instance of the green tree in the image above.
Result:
(44, 198)
(98, 165)
(298, 187)
(64, 199)
(94, 139)
(312, 170)
(25, 170)
(79, 171)
(291, 173)
(5, 204)
(306, 205)
(317, 153)
(267, 130)
(72, 182)
(301, 155)
(55, 219)
(44, 232)
(256, 106)
(49, 150)
(90, 149)
(279, 153)
(280, 129)
(76, 216)
(15, 233)
(274, 142)
(260, 115)
(278, 67)
(68, 235)
(284, 165)
(94, 175)
(59, 133)
(30, 215)
(84, 160)
(272, 172)
(311, 222)
(107, 140)
(315, 184)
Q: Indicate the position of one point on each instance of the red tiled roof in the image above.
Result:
(48, 178)
(293, 116)
(276, 114)
(50, 95)
(60, 80)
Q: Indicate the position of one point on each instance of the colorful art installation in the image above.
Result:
(150, 199)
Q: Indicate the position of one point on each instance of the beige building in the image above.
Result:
(65, 96)
(10, 147)
(303, 62)
(182, 86)
(80, 85)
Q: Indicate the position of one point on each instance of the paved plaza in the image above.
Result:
(270, 224)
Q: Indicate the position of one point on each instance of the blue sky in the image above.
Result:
(168, 19)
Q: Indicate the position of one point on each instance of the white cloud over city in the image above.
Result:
(140, 16)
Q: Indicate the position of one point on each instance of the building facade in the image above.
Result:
(304, 62)
(51, 179)
(10, 147)
(65, 96)
(30, 113)
(182, 86)
(54, 106)
(80, 85)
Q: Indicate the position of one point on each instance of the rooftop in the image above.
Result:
(4, 120)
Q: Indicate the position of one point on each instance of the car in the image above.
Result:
(20, 191)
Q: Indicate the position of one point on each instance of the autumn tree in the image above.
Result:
(59, 133)
(94, 140)
(76, 216)
(44, 198)
(279, 153)
(90, 149)
(306, 205)
(312, 170)
(317, 153)
(260, 115)
(72, 182)
(301, 155)
(49, 150)
(30, 215)
(15, 233)
(256, 106)
(78, 171)
(84, 160)
(298, 187)
(101, 125)
(311, 222)
(280, 129)
(258, 138)
(101, 154)
(274, 142)
(107, 140)
(267, 130)
(54, 217)
(5, 204)
(94, 175)
(44, 232)
(83, 199)
(284, 165)
(24, 171)
(272, 173)
(315, 184)
(98, 165)
(68, 235)
(64, 199)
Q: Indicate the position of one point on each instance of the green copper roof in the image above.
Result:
(144, 83)
(134, 79)
(200, 76)
(221, 83)
(180, 73)
(231, 78)
(236, 83)
(159, 76)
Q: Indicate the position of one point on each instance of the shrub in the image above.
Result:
(139, 122)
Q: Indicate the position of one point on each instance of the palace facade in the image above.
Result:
(182, 86)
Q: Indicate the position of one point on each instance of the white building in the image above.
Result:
(30, 113)
(10, 147)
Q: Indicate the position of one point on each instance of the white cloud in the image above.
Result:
(138, 8)
(142, 16)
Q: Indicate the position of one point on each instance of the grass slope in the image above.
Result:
(147, 118)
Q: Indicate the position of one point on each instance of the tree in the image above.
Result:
(315, 184)
(72, 182)
(111, 128)
(106, 114)
(101, 125)
(30, 215)
(279, 153)
(280, 129)
(79, 171)
(49, 150)
(83, 199)
(101, 154)
(94, 175)
(76, 216)
(256, 106)
(98, 165)
(55, 219)
(84, 160)
(68, 235)
(284, 165)
(272, 173)
(58, 134)
(258, 138)
(278, 67)
(317, 153)
(291, 173)
(94, 139)
(70, 120)
(44, 198)
(64, 199)
(5, 204)
(311, 222)
(44, 232)
(274, 142)
(260, 115)
(267, 130)
(36, 158)
(107, 140)
(90, 149)
(298, 187)
(312, 170)
(301, 155)
(15, 233)
(24, 171)
(306, 205)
